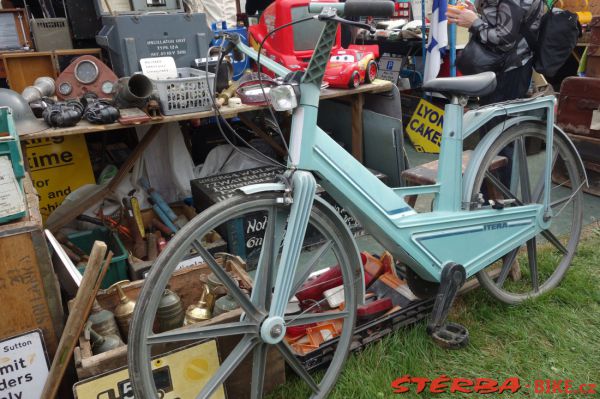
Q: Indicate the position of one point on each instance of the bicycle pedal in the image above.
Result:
(450, 336)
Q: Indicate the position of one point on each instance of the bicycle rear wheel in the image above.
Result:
(328, 244)
(543, 260)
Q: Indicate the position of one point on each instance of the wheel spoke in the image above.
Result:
(523, 170)
(259, 361)
(314, 260)
(295, 364)
(236, 356)
(263, 279)
(548, 235)
(193, 332)
(309, 318)
(532, 258)
(503, 189)
(508, 262)
(561, 201)
(232, 287)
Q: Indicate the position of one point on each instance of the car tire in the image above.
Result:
(354, 80)
(371, 72)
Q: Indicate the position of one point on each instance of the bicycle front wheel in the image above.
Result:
(328, 247)
(540, 264)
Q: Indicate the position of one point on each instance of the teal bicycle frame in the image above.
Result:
(426, 242)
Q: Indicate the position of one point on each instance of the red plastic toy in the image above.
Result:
(353, 66)
(294, 45)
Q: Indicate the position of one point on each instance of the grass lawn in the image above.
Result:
(554, 337)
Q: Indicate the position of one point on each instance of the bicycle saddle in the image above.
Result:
(481, 84)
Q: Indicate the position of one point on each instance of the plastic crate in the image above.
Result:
(117, 270)
(370, 332)
(187, 93)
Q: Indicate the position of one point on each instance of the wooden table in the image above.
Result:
(354, 96)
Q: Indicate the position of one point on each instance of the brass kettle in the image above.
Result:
(202, 310)
(124, 310)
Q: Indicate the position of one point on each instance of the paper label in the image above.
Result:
(595, 125)
(23, 366)
(159, 68)
(11, 197)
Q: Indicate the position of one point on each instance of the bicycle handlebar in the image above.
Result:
(357, 8)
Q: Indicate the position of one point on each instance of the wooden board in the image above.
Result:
(29, 293)
(22, 69)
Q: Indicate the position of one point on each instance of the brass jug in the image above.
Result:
(170, 312)
(201, 310)
(124, 310)
(103, 321)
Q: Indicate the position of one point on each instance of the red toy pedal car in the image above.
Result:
(294, 45)
(353, 66)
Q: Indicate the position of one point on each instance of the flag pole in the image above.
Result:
(452, 45)
(423, 33)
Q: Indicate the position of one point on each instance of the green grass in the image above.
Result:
(556, 336)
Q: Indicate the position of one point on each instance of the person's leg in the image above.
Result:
(511, 85)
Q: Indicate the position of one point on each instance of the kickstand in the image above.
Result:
(448, 335)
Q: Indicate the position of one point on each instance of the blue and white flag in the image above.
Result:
(438, 39)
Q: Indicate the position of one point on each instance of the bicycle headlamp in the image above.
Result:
(283, 97)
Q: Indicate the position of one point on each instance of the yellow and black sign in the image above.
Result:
(180, 374)
(425, 127)
(58, 166)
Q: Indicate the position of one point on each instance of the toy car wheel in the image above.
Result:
(354, 80)
(371, 72)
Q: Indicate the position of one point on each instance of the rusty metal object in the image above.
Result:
(170, 313)
(103, 321)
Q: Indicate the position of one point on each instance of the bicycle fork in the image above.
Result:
(304, 188)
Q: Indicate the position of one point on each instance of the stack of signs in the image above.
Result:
(425, 127)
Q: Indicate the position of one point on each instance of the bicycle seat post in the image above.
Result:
(450, 163)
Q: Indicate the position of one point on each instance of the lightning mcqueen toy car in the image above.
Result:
(351, 67)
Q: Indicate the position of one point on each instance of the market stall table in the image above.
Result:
(84, 127)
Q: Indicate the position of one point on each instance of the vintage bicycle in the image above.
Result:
(484, 222)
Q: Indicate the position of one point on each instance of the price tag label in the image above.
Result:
(159, 68)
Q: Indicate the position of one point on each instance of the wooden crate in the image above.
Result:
(188, 286)
(29, 294)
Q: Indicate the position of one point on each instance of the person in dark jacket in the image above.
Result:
(500, 24)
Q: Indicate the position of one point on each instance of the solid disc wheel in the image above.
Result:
(371, 72)
(354, 80)
(259, 340)
(540, 264)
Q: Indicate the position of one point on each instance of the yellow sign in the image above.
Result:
(58, 166)
(425, 127)
(180, 374)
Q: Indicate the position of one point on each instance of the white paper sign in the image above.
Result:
(11, 197)
(23, 366)
(159, 68)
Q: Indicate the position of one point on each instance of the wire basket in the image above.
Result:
(189, 92)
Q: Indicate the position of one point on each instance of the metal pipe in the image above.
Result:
(452, 45)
